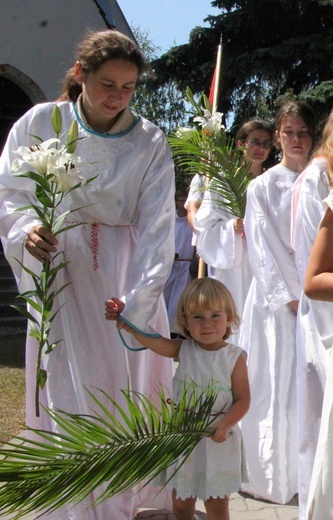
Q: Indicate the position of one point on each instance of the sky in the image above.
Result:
(168, 22)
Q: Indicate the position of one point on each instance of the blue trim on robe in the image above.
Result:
(113, 136)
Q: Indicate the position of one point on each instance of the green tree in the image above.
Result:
(163, 104)
(269, 47)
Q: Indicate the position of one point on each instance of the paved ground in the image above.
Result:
(242, 507)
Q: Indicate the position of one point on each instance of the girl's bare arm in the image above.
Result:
(241, 398)
(160, 345)
(318, 284)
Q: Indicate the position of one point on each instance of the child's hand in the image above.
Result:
(220, 432)
(113, 308)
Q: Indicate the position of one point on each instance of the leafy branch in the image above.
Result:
(64, 468)
(206, 149)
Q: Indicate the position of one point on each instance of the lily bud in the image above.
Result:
(73, 135)
(190, 97)
(207, 103)
(56, 120)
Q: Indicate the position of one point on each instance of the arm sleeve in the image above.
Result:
(314, 188)
(217, 242)
(272, 263)
(154, 253)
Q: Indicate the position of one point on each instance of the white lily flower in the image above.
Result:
(210, 122)
(35, 156)
(66, 171)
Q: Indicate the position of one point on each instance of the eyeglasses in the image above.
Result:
(256, 143)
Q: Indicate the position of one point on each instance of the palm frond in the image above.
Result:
(200, 152)
(64, 468)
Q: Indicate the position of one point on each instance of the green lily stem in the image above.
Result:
(43, 336)
(45, 288)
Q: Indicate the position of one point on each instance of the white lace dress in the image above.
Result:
(213, 469)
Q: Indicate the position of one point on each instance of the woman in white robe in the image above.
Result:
(124, 245)
(314, 331)
(221, 241)
(269, 319)
(318, 285)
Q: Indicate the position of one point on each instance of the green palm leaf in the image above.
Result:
(200, 152)
(64, 468)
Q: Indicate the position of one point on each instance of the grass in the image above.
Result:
(12, 386)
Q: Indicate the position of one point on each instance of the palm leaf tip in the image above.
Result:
(118, 450)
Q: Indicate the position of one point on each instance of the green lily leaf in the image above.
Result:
(24, 313)
(52, 346)
(37, 177)
(41, 377)
(36, 137)
(43, 198)
(31, 302)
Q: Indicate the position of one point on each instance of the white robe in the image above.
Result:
(268, 334)
(320, 502)
(127, 253)
(195, 194)
(223, 250)
(180, 274)
(314, 318)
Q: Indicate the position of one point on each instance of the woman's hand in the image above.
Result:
(39, 242)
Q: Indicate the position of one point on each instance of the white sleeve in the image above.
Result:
(272, 264)
(154, 253)
(217, 243)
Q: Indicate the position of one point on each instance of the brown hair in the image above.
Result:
(97, 48)
(300, 109)
(206, 294)
(250, 126)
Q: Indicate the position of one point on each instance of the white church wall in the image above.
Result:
(38, 39)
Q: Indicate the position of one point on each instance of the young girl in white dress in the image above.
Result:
(206, 314)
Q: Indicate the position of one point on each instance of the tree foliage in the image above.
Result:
(163, 104)
(270, 47)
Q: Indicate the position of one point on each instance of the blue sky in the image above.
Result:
(168, 22)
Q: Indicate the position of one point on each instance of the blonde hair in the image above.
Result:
(205, 294)
(325, 147)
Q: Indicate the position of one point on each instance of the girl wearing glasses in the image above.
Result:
(220, 237)
(269, 319)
